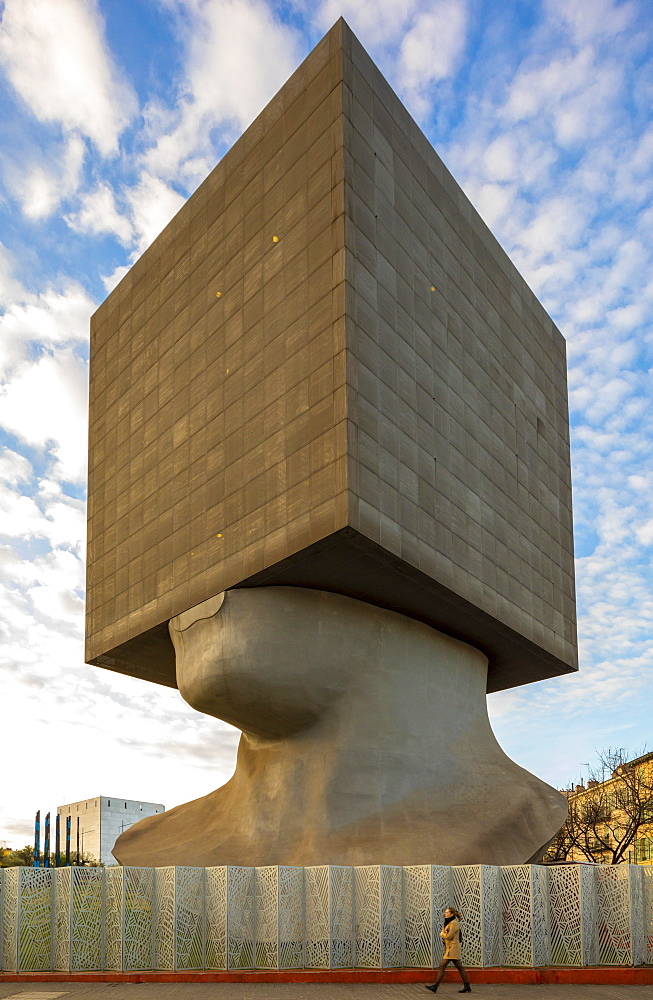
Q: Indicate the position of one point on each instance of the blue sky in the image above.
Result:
(111, 113)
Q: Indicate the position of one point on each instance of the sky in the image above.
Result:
(111, 113)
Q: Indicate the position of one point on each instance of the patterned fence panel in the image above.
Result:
(78, 919)
(2, 910)
(647, 905)
(241, 889)
(589, 910)
(525, 915)
(574, 932)
(179, 918)
(378, 909)
(637, 914)
(26, 931)
(477, 894)
(9, 927)
(216, 917)
(279, 917)
(189, 918)
(229, 917)
(620, 914)
(329, 917)
(541, 916)
(129, 919)
(428, 891)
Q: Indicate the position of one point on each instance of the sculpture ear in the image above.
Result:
(204, 610)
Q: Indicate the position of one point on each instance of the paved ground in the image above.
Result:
(306, 991)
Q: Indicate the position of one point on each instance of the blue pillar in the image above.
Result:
(37, 839)
(46, 843)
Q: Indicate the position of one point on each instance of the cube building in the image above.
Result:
(326, 373)
(100, 821)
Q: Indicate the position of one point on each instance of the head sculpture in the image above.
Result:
(365, 737)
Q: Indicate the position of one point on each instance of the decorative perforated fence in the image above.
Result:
(573, 907)
(525, 916)
(129, 919)
(620, 914)
(26, 920)
(378, 921)
(323, 917)
(329, 917)
(647, 901)
(179, 937)
(279, 923)
(477, 894)
(78, 911)
(428, 891)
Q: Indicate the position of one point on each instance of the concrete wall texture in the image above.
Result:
(326, 372)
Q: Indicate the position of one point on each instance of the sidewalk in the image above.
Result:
(308, 991)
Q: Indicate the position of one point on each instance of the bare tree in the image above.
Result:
(608, 814)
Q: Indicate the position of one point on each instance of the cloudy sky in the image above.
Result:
(112, 111)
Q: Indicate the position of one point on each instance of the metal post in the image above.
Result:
(37, 839)
(77, 862)
(57, 842)
(46, 842)
(67, 841)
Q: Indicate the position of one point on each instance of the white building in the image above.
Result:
(101, 821)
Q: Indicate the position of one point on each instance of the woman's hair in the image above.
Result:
(455, 912)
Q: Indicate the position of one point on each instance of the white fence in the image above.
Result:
(324, 917)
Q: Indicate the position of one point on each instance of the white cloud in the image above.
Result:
(99, 214)
(111, 280)
(14, 468)
(645, 533)
(56, 58)
(10, 287)
(51, 318)
(40, 186)
(45, 405)
(152, 203)
(417, 44)
(375, 22)
(430, 51)
(237, 54)
(589, 22)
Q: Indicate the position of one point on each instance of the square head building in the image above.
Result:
(325, 372)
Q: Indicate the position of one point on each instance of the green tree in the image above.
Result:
(24, 858)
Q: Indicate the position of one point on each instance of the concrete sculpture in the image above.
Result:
(365, 740)
(325, 393)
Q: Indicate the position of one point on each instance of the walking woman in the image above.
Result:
(451, 936)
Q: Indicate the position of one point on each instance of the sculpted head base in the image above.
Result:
(365, 740)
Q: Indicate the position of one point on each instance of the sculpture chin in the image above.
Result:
(365, 740)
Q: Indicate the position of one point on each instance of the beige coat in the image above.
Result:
(451, 937)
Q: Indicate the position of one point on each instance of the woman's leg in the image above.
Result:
(441, 971)
(463, 975)
(434, 986)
